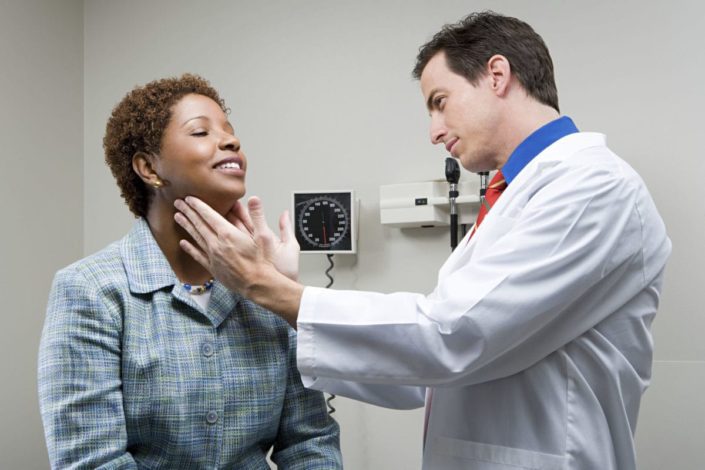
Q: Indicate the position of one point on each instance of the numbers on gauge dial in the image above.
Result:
(323, 222)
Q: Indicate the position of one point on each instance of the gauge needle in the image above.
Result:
(325, 236)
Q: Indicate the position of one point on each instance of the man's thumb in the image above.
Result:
(262, 233)
(256, 210)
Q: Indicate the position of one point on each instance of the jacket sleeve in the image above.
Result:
(80, 390)
(308, 437)
(548, 277)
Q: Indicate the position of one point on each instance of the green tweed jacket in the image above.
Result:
(134, 374)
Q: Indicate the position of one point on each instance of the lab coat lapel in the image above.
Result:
(508, 207)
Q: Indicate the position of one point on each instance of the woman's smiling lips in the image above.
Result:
(231, 165)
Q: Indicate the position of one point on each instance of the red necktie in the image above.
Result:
(494, 190)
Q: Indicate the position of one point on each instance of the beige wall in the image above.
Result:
(321, 97)
(41, 175)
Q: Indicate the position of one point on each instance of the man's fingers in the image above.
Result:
(286, 231)
(256, 210)
(195, 253)
(187, 225)
(262, 233)
(200, 229)
(239, 216)
(239, 224)
(236, 220)
(214, 220)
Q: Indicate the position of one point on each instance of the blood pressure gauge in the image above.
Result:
(325, 221)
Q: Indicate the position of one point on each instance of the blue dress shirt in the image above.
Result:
(536, 143)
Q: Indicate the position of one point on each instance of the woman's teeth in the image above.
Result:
(229, 166)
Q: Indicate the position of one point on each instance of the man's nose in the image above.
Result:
(438, 131)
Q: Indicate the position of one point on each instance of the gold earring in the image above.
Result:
(158, 183)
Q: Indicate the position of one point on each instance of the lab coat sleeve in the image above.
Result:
(540, 281)
(400, 397)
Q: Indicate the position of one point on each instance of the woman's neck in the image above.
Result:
(168, 233)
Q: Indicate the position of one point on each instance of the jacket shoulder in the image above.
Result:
(101, 268)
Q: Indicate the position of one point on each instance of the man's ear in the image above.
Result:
(499, 72)
(143, 165)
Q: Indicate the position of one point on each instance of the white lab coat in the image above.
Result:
(536, 341)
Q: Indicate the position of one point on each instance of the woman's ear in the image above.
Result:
(142, 164)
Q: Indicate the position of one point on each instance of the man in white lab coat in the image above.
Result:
(534, 349)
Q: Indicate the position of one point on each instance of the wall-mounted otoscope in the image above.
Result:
(484, 175)
(452, 176)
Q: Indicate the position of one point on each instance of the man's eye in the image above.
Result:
(199, 133)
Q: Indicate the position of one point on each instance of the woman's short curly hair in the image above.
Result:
(137, 124)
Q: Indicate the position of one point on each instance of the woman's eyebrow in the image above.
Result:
(193, 118)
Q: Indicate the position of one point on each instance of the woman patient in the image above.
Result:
(146, 361)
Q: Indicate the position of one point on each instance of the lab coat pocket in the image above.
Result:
(447, 453)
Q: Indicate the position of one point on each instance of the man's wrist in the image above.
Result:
(278, 293)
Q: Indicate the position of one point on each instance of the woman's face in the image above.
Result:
(200, 155)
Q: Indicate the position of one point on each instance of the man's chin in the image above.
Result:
(475, 165)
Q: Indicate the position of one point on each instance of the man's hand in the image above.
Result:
(244, 254)
(282, 252)
(206, 226)
(229, 251)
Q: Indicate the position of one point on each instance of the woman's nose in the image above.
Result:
(229, 142)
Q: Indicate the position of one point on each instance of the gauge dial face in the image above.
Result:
(323, 221)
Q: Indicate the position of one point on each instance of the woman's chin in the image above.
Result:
(223, 201)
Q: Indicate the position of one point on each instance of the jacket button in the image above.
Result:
(207, 349)
(212, 417)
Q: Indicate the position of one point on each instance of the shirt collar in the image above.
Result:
(536, 143)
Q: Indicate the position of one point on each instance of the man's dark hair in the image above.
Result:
(471, 42)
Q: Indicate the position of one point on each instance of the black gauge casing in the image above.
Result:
(325, 221)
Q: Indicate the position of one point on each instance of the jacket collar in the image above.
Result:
(146, 266)
(149, 271)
